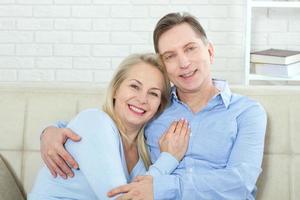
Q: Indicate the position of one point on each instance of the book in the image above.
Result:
(275, 56)
(284, 71)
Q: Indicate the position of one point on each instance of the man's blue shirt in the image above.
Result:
(224, 157)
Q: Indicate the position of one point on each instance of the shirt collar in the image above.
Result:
(221, 85)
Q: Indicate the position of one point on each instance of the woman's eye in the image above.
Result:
(154, 94)
(134, 86)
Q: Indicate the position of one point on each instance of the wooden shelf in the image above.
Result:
(257, 77)
(274, 4)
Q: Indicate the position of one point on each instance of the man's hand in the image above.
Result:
(176, 139)
(140, 189)
(53, 152)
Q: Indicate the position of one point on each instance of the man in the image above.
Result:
(225, 151)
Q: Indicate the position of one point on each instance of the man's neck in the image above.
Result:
(199, 99)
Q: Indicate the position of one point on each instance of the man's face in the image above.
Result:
(187, 59)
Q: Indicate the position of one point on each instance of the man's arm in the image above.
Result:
(235, 181)
(53, 152)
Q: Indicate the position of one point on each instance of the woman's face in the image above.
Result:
(139, 95)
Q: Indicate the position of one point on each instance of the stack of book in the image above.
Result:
(276, 62)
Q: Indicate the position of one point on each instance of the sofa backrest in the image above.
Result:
(26, 110)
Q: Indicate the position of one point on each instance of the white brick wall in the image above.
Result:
(69, 41)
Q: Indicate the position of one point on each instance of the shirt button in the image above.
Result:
(190, 170)
(191, 134)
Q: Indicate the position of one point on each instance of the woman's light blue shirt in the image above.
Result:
(101, 159)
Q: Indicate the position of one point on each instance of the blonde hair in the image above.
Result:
(120, 75)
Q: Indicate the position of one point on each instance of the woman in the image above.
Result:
(112, 149)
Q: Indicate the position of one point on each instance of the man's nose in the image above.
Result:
(183, 60)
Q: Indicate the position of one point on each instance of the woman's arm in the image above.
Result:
(99, 152)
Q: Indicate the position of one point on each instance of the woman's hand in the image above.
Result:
(54, 153)
(176, 139)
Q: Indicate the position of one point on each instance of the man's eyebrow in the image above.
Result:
(166, 52)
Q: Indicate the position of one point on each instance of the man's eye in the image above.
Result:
(191, 48)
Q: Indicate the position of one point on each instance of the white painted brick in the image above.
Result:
(228, 64)
(229, 51)
(7, 1)
(160, 11)
(16, 37)
(209, 11)
(237, 11)
(34, 24)
(149, 2)
(227, 2)
(34, 49)
(52, 11)
(16, 62)
(112, 2)
(111, 50)
(53, 37)
(7, 24)
(73, 24)
(92, 63)
(72, 2)
(7, 49)
(91, 37)
(259, 13)
(71, 50)
(8, 75)
(235, 38)
(103, 76)
(294, 25)
(142, 48)
(74, 75)
(115, 62)
(217, 37)
(233, 77)
(235, 64)
(36, 75)
(35, 2)
(230, 38)
(219, 64)
(189, 2)
(90, 11)
(54, 62)
(264, 25)
(130, 37)
(143, 24)
(259, 38)
(111, 24)
(226, 24)
(285, 38)
(278, 13)
(129, 11)
(15, 11)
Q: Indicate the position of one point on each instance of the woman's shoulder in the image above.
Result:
(94, 113)
(92, 118)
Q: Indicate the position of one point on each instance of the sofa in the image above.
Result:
(27, 109)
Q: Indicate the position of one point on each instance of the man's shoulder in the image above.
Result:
(246, 103)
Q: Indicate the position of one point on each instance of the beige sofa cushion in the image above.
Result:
(9, 189)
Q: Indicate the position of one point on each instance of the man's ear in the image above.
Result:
(211, 52)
